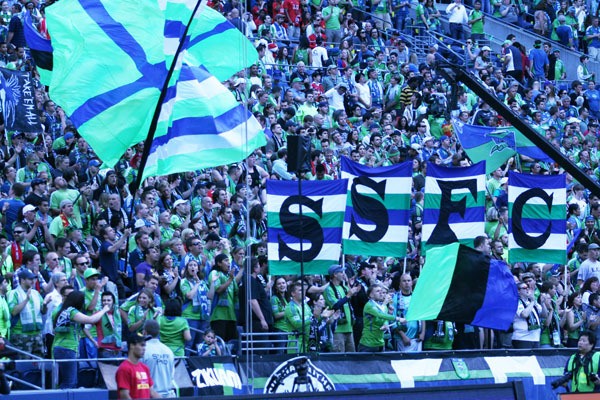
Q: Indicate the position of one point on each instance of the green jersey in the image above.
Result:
(67, 332)
(224, 309)
(332, 295)
(171, 333)
(374, 317)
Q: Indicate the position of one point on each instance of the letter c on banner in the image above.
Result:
(521, 237)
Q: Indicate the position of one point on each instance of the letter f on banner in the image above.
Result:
(454, 209)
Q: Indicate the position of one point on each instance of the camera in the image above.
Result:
(562, 380)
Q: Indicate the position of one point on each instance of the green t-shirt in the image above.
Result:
(332, 295)
(136, 313)
(67, 332)
(171, 333)
(58, 228)
(89, 295)
(332, 23)
(224, 308)
(278, 306)
(68, 194)
(293, 317)
(477, 27)
(197, 308)
(374, 317)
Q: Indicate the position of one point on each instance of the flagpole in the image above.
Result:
(161, 98)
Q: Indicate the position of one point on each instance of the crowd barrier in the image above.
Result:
(426, 372)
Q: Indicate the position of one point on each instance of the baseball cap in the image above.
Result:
(179, 202)
(593, 246)
(28, 208)
(334, 269)
(25, 273)
(484, 48)
(94, 163)
(90, 272)
(507, 42)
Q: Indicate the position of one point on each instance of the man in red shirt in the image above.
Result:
(133, 376)
(293, 14)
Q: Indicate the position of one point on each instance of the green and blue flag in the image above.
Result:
(110, 65)
(461, 284)
(495, 145)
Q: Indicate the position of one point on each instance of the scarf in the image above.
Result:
(111, 330)
(30, 316)
(16, 254)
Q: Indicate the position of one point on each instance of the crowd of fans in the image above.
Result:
(189, 250)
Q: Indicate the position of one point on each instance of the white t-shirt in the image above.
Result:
(521, 327)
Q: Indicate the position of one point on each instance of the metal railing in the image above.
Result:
(267, 341)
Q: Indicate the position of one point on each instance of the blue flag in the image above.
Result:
(495, 145)
(320, 227)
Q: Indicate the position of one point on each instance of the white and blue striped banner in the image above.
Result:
(319, 230)
(537, 225)
(377, 209)
(454, 207)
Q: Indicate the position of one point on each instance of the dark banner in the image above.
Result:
(17, 97)
(214, 376)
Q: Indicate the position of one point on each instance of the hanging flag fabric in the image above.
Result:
(461, 284)
(212, 40)
(454, 208)
(110, 65)
(495, 145)
(40, 49)
(323, 204)
(201, 125)
(377, 209)
(537, 218)
(17, 97)
(492, 145)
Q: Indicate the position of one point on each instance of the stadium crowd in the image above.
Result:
(189, 250)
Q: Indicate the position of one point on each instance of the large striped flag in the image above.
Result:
(377, 209)
(454, 208)
(461, 284)
(110, 65)
(537, 218)
(323, 204)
